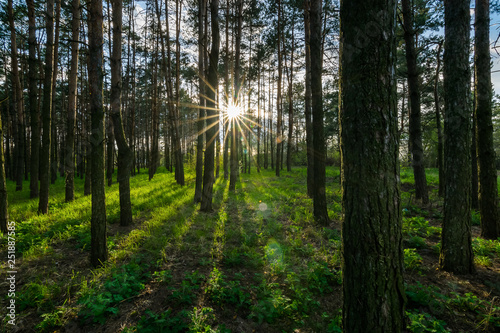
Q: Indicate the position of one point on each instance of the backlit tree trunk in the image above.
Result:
(456, 250)
(69, 155)
(4, 212)
(98, 250)
(319, 198)
(212, 133)
(32, 100)
(372, 268)
(43, 204)
(18, 131)
(201, 112)
(490, 224)
(438, 122)
(414, 92)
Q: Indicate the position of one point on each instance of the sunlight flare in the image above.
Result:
(233, 111)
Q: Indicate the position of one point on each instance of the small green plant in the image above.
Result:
(163, 276)
(421, 322)
(483, 261)
(412, 260)
(416, 242)
(475, 218)
(162, 322)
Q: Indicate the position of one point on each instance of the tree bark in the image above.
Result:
(415, 128)
(456, 250)
(43, 204)
(98, 250)
(18, 131)
(233, 178)
(290, 105)
(438, 122)
(279, 116)
(319, 198)
(212, 132)
(374, 295)
(69, 156)
(488, 192)
(32, 99)
(201, 112)
(124, 152)
(53, 125)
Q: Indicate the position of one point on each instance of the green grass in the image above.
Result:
(257, 259)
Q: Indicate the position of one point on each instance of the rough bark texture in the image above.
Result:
(415, 128)
(124, 152)
(490, 224)
(212, 133)
(98, 246)
(456, 250)
(43, 204)
(235, 135)
(319, 155)
(372, 267)
(32, 101)
(307, 111)
(69, 155)
(53, 126)
(201, 112)
(279, 116)
(440, 162)
(18, 131)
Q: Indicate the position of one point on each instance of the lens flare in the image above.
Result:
(233, 111)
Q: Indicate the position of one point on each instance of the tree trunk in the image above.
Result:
(201, 112)
(69, 156)
(279, 116)
(53, 124)
(290, 106)
(124, 152)
(237, 101)
(98, 245)
(43, 204)
(32, 98)
(490, 224)
(18, 131)
(456, 250)
(440, 163)
(307, 111)
(212, 132)
(372, 242)
(414, 92)
(319, 198)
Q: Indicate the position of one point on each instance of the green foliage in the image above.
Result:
(125, 283)
(475, 218)
(422, 322)
(418, 226)
(486, 247)
(412, 260)
(186, 293)
(416, 242)
(223, 292)
(420, 295)
(162, 322)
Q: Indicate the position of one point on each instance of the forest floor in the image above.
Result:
(258, 263)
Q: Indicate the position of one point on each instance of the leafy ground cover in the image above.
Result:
(257, 263)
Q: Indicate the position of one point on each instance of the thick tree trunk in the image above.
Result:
(124, 152)
(53, 124)
(415, 128)
(43, 204)
(18, 131)
(212, 132)
(69, 156)
(372, 268)
(235, 134)
(319, 198)
(98, 250)
(307, 111)
(456, 249)
(440, 162)
(201, 112)
(32, 99)
(290, 107)
(279, 116)
(488, 192)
